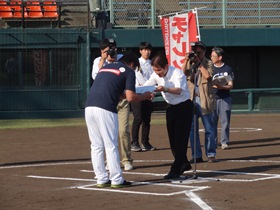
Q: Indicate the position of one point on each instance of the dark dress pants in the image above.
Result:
(142, 112)
(179, 121)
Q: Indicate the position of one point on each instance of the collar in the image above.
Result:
(142, 60)
(219, 66)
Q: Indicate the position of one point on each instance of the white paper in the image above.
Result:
(143, 89)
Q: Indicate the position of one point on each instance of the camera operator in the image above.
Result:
(199, 70)
(108, 50)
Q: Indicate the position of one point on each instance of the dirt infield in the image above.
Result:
(50, 168)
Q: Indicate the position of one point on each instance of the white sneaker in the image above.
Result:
(225, 146)
(128, 167)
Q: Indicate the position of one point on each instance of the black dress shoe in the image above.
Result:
(198, 160)
(172, 175)
(185, 167)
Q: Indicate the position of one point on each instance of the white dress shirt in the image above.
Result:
(146, 67)
(174, 78)
(140, 79)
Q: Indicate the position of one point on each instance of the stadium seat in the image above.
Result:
(50, 9)
(5, 10)
(34, 9)
(16, 8)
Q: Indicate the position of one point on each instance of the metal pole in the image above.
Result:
(194, 125)
(153, 14)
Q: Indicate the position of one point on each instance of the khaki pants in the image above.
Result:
(124, 135)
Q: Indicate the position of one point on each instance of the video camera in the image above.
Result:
(192, 54)
(112, 48)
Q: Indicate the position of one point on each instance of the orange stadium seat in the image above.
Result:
(50, 9)
(16, 7)
(35, 10)
(5, 10)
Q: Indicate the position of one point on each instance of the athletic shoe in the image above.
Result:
(136, 148)
(172, 175)
(185, 167)
(148, 147)
(128, 167)
(124, 184)
(198, 160)
(107, 184)
(225, 146)
(212, 160)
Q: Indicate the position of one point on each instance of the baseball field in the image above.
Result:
(45, 164)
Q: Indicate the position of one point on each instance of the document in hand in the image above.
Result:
(143, 89)
(221, 80)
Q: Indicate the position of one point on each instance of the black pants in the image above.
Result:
(179, 121)
(142, 112)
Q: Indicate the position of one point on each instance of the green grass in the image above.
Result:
(40, 123)
(49, 123)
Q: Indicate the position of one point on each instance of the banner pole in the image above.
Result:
(182, 11)
(197, 23)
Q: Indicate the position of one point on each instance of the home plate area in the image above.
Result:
(156, 185)
(187, 185)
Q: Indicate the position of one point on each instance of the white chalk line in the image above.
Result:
(45, 164)
(197, 200)
(93, 186)
(194, 198)
(189, 190)
(238, 130)
(204, 179)
(136, 161)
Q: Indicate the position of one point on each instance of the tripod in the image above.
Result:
(195, 75)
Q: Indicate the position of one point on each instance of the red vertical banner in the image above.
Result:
(165, 34)
(178, 31)
(193, 30)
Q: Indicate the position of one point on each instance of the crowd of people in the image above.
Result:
(200, 89)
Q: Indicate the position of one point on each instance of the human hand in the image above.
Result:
(123, 96)
(104, 53)
(148, 95)
(159, 89)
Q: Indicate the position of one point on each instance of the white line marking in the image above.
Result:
(238, 173)
(194, 188)
(45, 164)
(136, 161)
(254, 161)
(61, 178)
(131, 192)
(175, 184)
(238, 130)
(92, 186)
(197, 200)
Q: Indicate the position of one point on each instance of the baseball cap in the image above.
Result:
(200, 43)
(107, 42)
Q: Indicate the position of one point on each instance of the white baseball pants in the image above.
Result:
(102, 128)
